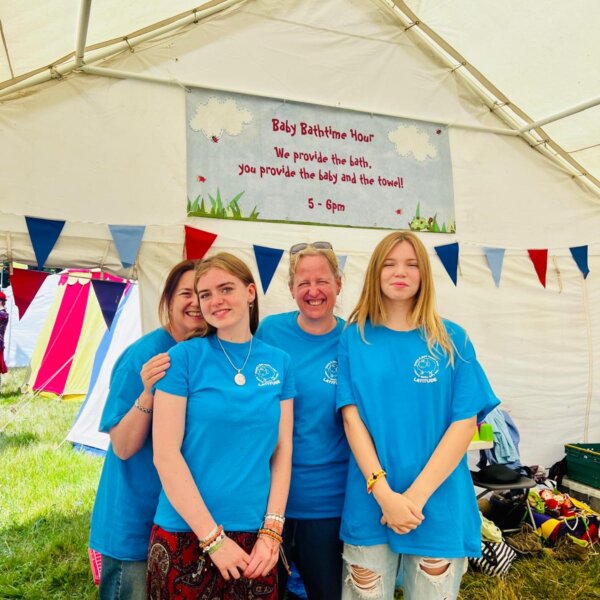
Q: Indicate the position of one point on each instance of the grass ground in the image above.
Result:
(47, 492)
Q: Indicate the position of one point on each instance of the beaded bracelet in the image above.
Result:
(274, 517)
(147, 411)
(375, 477)
(216, 544)
(211, 537)
(274, 525)
(270, 533)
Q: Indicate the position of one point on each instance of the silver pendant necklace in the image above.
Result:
(239, 377)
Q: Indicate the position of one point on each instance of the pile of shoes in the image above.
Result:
(526, 541)
(569, 547)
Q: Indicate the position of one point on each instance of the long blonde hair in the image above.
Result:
(423, 314)
(234, 266)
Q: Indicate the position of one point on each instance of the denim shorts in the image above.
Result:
(122, 579)
(384, 564)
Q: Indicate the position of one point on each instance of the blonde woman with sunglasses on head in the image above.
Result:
(310, 336)
(410, 390)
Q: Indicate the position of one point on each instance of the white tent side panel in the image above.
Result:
(118, 155)
(128, 330)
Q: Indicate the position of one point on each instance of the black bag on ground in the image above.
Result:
(507, 509)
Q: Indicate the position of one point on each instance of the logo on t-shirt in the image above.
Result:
(426, 368)
(331, 371)
(266, 375)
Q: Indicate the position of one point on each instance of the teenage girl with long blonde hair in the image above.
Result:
(411, 391)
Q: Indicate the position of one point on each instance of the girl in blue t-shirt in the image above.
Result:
(410, 391)
(129, 486)
(222, 447)
(320, 458)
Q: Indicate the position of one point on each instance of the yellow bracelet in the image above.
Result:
(375, 477)
(270, 533)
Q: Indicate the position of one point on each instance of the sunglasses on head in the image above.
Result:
(304, 245)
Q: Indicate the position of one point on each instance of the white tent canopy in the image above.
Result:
(100, 147)
(533, 62)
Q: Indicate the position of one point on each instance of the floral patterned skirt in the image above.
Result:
(178, 570)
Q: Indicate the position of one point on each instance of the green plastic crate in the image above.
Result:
(583, 463)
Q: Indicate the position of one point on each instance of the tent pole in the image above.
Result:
(488, 91)
(118, 74)
(84, 20)
(561, 115)
(95, 55)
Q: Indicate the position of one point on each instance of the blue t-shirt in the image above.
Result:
(407, 398)
(230, 430)
(128, 490)
(320, 457)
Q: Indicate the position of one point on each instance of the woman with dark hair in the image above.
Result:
(222, 447)
(129, 485)
(410, 391)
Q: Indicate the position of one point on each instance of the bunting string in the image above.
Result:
(197, 242)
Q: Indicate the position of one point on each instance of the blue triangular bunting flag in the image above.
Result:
(127, 239)
(109, 295)
(448, 254)
(580, 256)
(43, 234)
(267, 260)
(342, 261)
(495, 258)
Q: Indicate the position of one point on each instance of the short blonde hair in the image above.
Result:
(326, 253)
(424, 314)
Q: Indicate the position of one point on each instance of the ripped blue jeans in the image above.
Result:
(370, 572)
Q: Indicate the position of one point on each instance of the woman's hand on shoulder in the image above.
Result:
(231, 560)
(263, 557)
(400, 513)
(154, 369)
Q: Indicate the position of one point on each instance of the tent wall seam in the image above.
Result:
(12, 74)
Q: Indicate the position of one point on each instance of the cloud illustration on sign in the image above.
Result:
(215, 118)
(411, 140)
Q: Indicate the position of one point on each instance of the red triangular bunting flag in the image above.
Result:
(539, 258)
(197, 242)
(25, 285)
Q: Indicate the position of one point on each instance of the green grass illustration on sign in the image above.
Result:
(218, 208)
(419, 223)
